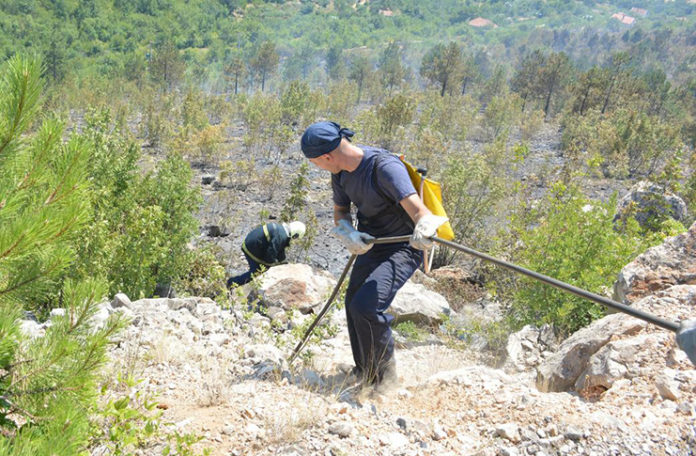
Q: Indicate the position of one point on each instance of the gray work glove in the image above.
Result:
(686, 339)
(355, 241)
(426, 228)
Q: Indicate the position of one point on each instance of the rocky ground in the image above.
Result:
(617, 387)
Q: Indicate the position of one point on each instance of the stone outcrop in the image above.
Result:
(416, 303)
(661, 282)
(294, 286)
(646, 201)
(658, 268)
(561, 370)
(528, 347)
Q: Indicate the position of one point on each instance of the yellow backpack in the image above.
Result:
(431, 194)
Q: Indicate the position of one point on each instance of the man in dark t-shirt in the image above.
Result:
(377, 183)
(265, 246)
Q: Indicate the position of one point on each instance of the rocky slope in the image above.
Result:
(617, 387)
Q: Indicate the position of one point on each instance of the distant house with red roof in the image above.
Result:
(639, 11)
(481, 22)
(624, 18)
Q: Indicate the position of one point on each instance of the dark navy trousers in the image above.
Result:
(376, 277)
(241, 279)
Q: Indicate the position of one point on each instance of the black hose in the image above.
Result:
(564, 286)
(323, 311)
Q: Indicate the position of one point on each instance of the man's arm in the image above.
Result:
(342, 213)
(414, 207)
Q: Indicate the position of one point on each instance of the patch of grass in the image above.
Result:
(411, 331)
(292, 419)
(493, 335)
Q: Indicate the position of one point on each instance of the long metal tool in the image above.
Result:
(329, 302)
(564, 286)
(688, 333)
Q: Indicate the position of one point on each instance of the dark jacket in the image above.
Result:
(266, 244)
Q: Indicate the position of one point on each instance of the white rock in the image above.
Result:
(343, 429)
(509, 431)
(121, 300)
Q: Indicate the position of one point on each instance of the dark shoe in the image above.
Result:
(388, 378)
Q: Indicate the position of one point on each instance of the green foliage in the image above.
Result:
(410, 331)
(500, 115)
(451, 116)
(295, 102)
(127, 421)
(239, 174)
(382, 124)
(167, 66)
(139, 225)
(443, 65)
(542, 77)
(297, 198)
(264, 61)
(627, 143)
(130, 422)
(392, 72)
(47, 387)
(474, 185)
(296, 208)
(573, 240)
(689, 191)
(360, 71)
(261, 113)
(205, 275)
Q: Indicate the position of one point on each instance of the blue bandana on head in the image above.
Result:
(323, 137)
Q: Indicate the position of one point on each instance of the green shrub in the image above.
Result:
(572, 239)
(139, 225)
(473, 186)
(205, 274)
(410, 331)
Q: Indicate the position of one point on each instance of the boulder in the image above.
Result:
(618, 359)
(527, 348)
(646, 201)
(121, 300)
(619, 346)
(561, 370)
(294, 286)
(215, 230)
(413, 302)
(658, 268)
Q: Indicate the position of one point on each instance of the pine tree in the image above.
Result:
(441, 65)
(47, 383)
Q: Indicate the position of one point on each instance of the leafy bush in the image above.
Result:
(130, 422)
(572, 239)
(205, 275)
(473, 186)
(296, 208)
(139, 225)
(626, 143)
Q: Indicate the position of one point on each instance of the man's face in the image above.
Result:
(327, 162)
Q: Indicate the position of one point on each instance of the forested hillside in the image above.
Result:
(140, 140)
(118, 39)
